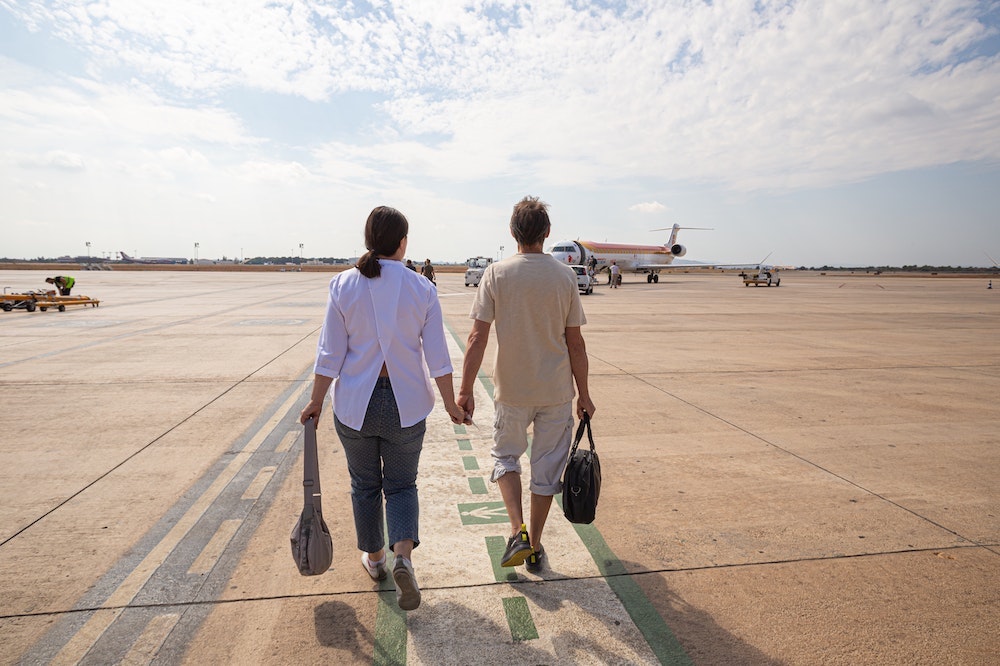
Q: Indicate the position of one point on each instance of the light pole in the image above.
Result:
(88, 250)
(501, 253)
(196, 246)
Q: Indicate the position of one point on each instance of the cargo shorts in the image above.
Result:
(550, 442)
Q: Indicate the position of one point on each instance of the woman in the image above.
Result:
(383, 334)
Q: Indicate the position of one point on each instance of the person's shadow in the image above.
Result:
(337, 626)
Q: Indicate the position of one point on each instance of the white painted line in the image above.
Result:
(148, 644)
(260, 482)
(213, 549)
(89, 633)
(287, 441)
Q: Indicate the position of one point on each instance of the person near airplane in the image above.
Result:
(534, 301)
(615, 275)
(382, 339)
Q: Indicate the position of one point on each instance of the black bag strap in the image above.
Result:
(310, 468)
(584, 423)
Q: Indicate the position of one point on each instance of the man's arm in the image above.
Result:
(580, 365)
(474, 350)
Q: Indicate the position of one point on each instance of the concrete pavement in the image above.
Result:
(804, 474)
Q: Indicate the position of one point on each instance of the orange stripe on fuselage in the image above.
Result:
(621, 248)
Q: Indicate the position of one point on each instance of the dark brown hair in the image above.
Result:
(529, 223)
(384, 231)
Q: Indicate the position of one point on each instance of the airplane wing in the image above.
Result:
(748, 265)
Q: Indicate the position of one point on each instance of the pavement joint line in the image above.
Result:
(142, 448)
(119, 599)
(799, 457)
(472, 586)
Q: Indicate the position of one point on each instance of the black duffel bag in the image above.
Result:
(582, 479)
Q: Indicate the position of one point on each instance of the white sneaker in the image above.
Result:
(407, 590)
(376, 571)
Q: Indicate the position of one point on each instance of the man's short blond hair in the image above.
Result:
(529, 223)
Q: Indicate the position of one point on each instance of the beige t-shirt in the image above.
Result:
(530, 299)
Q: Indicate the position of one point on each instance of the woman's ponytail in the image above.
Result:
(368, 265)
(384, 233)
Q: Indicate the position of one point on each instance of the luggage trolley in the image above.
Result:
(42, 300)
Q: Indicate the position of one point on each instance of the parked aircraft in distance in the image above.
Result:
(151, 260)
(648, 259)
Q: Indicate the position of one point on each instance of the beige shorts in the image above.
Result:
(550, 442)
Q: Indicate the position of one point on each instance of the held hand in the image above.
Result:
(585, 405)
(456, 413)
(468, 404)
(313, 409)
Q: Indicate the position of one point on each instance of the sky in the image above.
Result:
(837, 133)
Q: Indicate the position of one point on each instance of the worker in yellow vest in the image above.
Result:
(63, 283)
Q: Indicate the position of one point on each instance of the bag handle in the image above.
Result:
(584, 423)
(310, 468)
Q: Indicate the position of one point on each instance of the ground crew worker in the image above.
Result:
(63, 283)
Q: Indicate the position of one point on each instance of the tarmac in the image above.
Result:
(796, 475)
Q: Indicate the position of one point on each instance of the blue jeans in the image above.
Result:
(382, 458)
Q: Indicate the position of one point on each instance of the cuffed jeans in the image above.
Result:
(382, 458)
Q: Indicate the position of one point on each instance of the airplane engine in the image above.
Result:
(678, 250)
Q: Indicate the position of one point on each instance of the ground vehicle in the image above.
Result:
(474, 272)
(764, 276)
(583, 280)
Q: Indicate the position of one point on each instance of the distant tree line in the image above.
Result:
(909, 268)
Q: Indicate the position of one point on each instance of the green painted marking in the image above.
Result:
(657, 633)
(483, 379)
(495, 545)
(477, 485)
(483, 513)
(390, 632)
(459, 428)
(522, 628)
(464, 445)
(470, 463)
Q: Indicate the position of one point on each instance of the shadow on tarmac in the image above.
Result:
(704, 640)
(337, 626)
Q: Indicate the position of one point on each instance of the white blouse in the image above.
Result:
(394, 318)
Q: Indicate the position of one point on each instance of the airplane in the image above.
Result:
(151, 260)
(648, 259)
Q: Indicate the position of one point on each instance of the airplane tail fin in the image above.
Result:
(675, 228)
(125, 257)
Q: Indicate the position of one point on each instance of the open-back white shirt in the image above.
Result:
(394, 318)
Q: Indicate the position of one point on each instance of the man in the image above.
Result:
(535, 302)
(427, 270)
(63, 283)
(616, 275)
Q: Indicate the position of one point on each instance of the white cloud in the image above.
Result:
(772, 96)
(54, 159)
(648, 207)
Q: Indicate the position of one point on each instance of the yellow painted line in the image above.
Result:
(260, 482)
(90, 632)
(287, 441)
(148, 644)
(213, 549)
